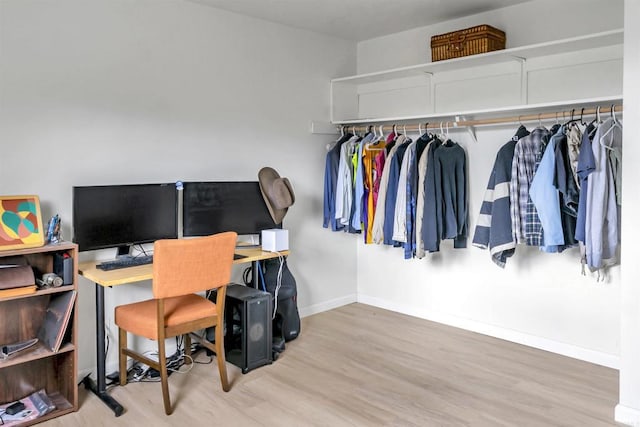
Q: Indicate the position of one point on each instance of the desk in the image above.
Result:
(122, 276)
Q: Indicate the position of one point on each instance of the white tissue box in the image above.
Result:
(275, 240)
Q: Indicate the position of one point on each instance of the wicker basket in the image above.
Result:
(470, 41)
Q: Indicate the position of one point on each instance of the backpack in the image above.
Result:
(286, 319)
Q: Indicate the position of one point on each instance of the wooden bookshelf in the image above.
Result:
(21, 318)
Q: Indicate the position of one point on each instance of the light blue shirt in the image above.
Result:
(544, 196)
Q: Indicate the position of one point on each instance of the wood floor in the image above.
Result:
(362, 366)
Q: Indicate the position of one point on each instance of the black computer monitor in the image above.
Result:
(120, 216)
(215, 207)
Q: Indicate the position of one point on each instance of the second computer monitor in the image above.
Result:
(215, 207)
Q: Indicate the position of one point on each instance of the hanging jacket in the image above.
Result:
(330, 179)
(601, 225)
(394, 165)
(493, 229)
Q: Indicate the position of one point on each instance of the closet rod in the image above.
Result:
(561, 116)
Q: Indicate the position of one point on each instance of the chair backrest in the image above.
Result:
(186, 266)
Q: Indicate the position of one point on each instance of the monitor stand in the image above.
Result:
(123, 250)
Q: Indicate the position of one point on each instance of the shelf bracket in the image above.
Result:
(524, 83)
(470, 129)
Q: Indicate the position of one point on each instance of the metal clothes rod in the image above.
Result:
(560, 116)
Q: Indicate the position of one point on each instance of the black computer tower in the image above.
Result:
(247, 338)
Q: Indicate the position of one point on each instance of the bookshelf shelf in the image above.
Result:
(38, 351)
(41, 292)
(63, 406)
(22, 318)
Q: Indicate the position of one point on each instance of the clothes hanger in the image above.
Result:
(616, 124)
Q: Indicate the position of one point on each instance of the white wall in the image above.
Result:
(526, 23)
(628, 410)
(118, 91)
(540, 299)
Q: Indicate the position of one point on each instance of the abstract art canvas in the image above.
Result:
(20, 222)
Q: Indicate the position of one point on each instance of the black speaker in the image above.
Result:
(247, 338)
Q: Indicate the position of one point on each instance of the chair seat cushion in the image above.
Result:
(140, 318)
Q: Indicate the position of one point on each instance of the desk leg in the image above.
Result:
(100, 389)
(255, 277)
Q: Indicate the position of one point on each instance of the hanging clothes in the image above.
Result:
(567, 186)
(371, 175)
(601, 223)
(494, 227)
(344, 184)
(400, 217)
(545, 196)
(430, 236)
(359, 176)
(380, 161)
(528, 152)
(332, 161)
(410, 245)
(393, 164)
(380, 212)
(451, 193)
(574, 140)
(445, 214)
(586, 165)
(420, 207)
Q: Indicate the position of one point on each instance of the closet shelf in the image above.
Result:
(452, 117)
(590, 41)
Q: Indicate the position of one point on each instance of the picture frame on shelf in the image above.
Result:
(20, 222)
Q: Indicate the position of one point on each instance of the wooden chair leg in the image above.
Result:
(222, 366)
(187, 349)
(164, 377)
(122, 358)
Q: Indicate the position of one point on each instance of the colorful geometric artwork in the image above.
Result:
(20, 222)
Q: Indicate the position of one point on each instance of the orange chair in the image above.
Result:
(180, 268)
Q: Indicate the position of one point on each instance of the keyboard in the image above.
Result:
(125, 261)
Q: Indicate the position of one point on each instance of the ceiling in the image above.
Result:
(358, 19)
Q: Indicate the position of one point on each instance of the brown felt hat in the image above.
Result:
(277, 193)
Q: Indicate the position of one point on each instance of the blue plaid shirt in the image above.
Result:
(527, 227)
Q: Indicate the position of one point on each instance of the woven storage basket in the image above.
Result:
(470, 41)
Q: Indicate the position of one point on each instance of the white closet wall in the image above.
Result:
(540, 299)
(628, 410)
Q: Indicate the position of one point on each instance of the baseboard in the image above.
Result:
(599, 358)
(327, 305)
(83, 373)
(626, 415)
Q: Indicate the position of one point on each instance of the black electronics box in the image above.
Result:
(248, 336)
(63, 267)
